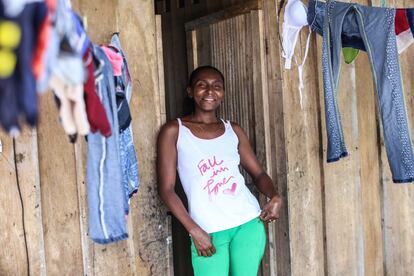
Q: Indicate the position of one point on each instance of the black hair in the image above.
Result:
(188, 104)
(198, 70)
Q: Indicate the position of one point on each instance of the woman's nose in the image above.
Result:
(209, 89)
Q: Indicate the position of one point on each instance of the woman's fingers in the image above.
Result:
(268, 216)
(206, 251)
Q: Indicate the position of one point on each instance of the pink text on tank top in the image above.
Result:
(216, 181)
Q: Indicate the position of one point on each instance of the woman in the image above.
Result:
(224, 219)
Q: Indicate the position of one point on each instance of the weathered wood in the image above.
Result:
(398, 199)
(98, 259)
(60, 210)
(29, 179)
(302, 127)
(369, 169)
(160, 66)
(223, 14)
(149, 222)
(280, 232)
(261, 109)
(162, 118)
(13, 260)
(169, 71)
(81, 181)
(342, 186)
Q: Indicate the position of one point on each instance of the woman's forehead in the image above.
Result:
(208, 74)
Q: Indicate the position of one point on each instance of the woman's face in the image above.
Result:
(207, 90)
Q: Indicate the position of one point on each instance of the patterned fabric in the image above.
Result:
(387, 78)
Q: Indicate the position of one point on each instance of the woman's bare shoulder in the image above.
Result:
(169, 129)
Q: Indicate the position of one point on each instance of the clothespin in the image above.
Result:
(383, 3)
(1, 146)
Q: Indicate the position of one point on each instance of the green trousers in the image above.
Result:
(239, 251)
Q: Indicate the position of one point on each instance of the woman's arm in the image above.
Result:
(260, 178)
(166, 171)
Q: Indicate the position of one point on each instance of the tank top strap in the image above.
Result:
(179, 122)
(226, 123)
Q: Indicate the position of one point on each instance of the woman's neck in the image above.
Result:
(205, 118)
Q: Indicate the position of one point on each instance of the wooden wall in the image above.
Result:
(347, 217)
(342, 218)
(51, 172)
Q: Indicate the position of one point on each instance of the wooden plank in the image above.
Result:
(346, 246)
(99, 259)
(342, 178)
(369, 170)
(168, 52)
(13, 260)
(398, 199)
(59, 194)
(28, 175)
(302, 126)
(81, 184)
(203, 46)
(223, 14)
(280, 229)
(180, 72)
(162, 119)
(147, 215)
(261, 111)
(160, 67)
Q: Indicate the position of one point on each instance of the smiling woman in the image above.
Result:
(224, 219)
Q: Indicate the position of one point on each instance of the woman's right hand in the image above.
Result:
(202, 242)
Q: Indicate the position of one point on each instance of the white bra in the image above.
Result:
(295, 18)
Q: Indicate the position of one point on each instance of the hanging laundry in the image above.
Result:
(123, 87)
(49, 56)
(68, 74)
(295, 18)
(19, 28)
(116, 59)
(402, 30)
(106, 196)
(349, 54)
(95, 111)
(316, 16)
(375, 27)
(43, 41)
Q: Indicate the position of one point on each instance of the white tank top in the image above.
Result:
(218, 198)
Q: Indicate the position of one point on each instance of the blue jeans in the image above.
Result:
(129, 161)
(316, 16)
(375, 28)
(106, 197)
(129, 165)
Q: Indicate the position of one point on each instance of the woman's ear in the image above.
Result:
(189, 92)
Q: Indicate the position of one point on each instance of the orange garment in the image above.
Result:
(43, 39)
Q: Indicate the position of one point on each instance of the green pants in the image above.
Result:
(239, 251)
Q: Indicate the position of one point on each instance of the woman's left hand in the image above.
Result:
(271, 210)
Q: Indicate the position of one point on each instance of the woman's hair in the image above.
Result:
(188, 104)
(198, 70)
